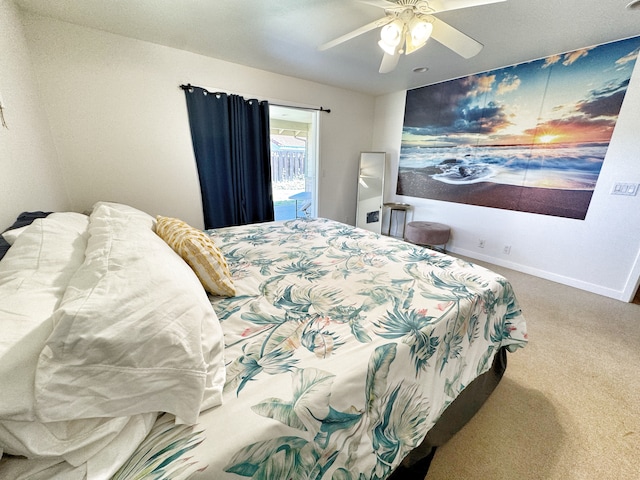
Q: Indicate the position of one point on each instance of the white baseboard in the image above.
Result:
(572, 282)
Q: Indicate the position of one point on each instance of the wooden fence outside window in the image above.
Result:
(287, 165)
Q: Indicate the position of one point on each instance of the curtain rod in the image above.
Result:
(317, 109)
(297, 107)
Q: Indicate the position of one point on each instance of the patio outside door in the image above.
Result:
(294, 162)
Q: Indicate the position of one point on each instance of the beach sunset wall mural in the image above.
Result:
(531, 137)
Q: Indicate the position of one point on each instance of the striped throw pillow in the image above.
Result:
(199, 251)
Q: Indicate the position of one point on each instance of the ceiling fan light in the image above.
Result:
(418, 33)
(391, 36)
(420, 30)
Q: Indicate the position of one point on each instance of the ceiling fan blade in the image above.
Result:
(447, 5)
(379, 3)
(381, 22)
(389, 62)
(454, 39)
(430, 6)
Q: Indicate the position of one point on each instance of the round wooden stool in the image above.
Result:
(429, 234)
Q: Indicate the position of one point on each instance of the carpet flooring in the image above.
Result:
(568, 406)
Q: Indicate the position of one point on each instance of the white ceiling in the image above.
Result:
(282, 36)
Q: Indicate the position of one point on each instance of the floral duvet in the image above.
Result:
(342, 349)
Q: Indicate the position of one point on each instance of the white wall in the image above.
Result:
(120, 123)
(600, 254)
(29, 171)
(120, 128)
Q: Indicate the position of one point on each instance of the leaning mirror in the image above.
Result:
(370, 191)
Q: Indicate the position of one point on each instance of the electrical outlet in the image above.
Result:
(481, 243)
(507, 249)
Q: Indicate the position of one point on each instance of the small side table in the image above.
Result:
(397, 212)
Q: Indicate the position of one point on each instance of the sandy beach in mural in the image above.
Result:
(418, 182)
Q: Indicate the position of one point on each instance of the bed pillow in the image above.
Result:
(199, 251)
(10, 234)
(33, 279)
(27, 218)
(135, 331)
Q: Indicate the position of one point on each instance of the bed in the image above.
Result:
(297, 349)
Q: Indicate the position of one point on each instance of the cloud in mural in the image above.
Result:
(630, 57)
(508, 84)
(481, 120)
(605, 102)
(437, 106)
(578, 128)
(571, 58)
(589, 120)
(453, 109)
(552, 60)
(567, 59)
(483, 84)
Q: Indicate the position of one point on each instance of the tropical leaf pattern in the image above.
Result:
(163, 454)
(342, 350)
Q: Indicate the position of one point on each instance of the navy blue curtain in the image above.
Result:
(230, 138)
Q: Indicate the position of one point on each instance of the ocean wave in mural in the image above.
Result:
(531, 137)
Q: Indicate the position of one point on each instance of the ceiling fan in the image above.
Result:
(408, 24)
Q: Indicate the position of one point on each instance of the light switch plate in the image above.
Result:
(625, 189)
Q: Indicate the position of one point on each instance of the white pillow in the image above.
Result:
(135, 331)
(33, 278)
(11, 235)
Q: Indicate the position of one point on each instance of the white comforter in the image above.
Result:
(103, 326)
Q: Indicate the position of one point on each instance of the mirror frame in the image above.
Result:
(370, 200)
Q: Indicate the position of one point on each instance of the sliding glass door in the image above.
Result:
(294, 161)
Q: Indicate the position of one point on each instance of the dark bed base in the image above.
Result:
(462, 409)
